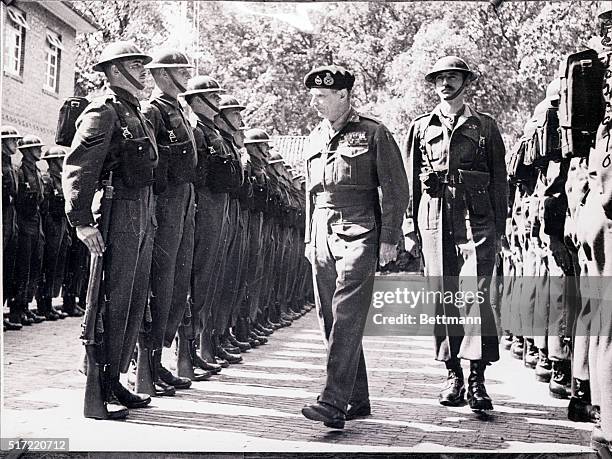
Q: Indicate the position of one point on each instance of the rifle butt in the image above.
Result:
(94, 403)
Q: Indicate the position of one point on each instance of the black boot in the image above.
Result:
(224, 354)
(198, 362)
(560, 381)
(543, 369)
(580, 408)
(530, 353)
(242, 345)
(477, 395)
(517, 347)
(242, 330)
(454, 391)
(126, 397)
(10, 325)
(46, 310)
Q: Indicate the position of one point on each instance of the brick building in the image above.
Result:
(38, 63)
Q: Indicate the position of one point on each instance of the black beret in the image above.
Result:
(329, 77)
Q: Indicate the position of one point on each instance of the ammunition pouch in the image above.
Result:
(223, 174)
(260, 198)
(476, 184)
(136, 169)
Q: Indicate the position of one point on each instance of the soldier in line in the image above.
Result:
(114, 142)
(350, 156)
(455, 162)
(10, 137)
(30, 238)
(212, 202)
(57, 238)
(75, 276)
(228, 122)
(175, 214)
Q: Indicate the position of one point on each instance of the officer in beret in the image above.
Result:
(30, 238)
(115, 144)
(455, 162)
(175, 215)
(57, 237)
(10, 137)
(349, 157)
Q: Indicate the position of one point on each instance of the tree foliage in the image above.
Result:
(261, 51)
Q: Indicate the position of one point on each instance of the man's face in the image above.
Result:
(327, 102)
(32, 153)
(11, 144)
(213, 97)
(447, 83)
(136, 68)
(182, 74)
(234, 117)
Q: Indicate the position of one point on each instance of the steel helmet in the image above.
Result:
(256, 135)
(120, 50)
(450, 63)
(605, 10)
(9, 132)
(230, 102)
(553, 90)
(169, 58)
(202, 84)
(29, 141)
(54, 152)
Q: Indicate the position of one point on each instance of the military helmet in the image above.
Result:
(9, 132)
(275, 158)
(605, 10)
(448, 64)
(230, 102)
(120, 50)
(541, 108)
(257, 135)
(202, 84)
(53, 152)
(553, 90)
(29, 141)
(169, 58)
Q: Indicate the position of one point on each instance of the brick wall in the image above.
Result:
(25, 104)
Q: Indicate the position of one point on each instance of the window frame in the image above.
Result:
(16, 26)
(53, 49)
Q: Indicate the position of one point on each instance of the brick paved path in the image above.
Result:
(255, 406)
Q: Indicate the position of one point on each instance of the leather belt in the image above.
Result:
(348, 198)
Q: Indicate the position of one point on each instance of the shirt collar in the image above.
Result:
(206, 121)
(162, 96)
(125, 95)
(347, 116)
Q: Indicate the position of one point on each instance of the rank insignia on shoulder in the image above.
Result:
(471, 126)
(355, 138)
(212, 150)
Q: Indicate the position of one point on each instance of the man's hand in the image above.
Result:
(92, 238)
(411, 244)
(387, 253)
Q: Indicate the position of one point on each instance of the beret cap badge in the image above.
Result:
(318, 80)
(328, 80)
(329, 77)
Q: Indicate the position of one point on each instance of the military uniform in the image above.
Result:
(96, 151)
(469, 206)
(175, 215)
(30, 237)
(346, 164)
(57, 237)
(9, 218)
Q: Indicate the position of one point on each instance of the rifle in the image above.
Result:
(92, 334)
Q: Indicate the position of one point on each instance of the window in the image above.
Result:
(15, 30)
(52, 58)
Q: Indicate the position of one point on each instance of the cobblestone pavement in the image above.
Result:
(255, 406)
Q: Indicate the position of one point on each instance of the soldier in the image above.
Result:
(114, 142)
(456, 168)
(212, 201)
(349, 157)
(228, 122)
(257, 143)
(10, 137)
(30, 237)
(175, 215)
(57, 238)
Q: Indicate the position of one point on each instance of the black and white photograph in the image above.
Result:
(280, 229)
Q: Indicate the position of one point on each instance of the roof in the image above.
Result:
(291, 148)
(67, 13)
